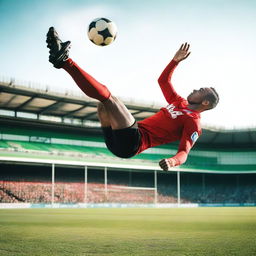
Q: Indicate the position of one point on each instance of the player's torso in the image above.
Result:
(167, 125)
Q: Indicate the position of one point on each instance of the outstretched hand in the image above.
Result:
(182, 53)
(166, 164)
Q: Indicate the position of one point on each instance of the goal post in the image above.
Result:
(131, 194)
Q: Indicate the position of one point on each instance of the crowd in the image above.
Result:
(219, 194)
(95, 192)
(36, 192)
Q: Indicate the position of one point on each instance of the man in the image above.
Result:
(124, 136)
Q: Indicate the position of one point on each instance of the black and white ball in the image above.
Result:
(102, 31)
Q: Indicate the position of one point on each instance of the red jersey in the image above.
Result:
(172, 123)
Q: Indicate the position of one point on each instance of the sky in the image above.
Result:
(221, 33)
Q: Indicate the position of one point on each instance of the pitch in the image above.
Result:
(181, 232)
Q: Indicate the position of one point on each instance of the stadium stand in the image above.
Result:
(221, 168)
(69, 146)
(32, 184)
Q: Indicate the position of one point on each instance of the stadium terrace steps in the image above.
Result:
(48, 134)
(196, 163)
(57, 145)
(4, 144)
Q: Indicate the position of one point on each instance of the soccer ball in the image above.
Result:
(102, 31)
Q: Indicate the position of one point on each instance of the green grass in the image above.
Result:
(181, 232)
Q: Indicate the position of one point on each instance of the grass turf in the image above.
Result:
(181, 232)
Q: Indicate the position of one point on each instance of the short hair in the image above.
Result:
(213, 98)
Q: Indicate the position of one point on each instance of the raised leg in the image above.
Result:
(103, 116)
(112, 112)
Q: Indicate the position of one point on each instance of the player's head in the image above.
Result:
(207, 97)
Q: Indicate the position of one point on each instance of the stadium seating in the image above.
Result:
(66, 190)
(60, 145)
(194, 161)
(21, 186)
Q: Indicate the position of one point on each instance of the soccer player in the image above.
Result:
(124, 136)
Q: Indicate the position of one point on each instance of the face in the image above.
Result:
(198, 96)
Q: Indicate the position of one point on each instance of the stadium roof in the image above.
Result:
(24, 103)
(43, 102)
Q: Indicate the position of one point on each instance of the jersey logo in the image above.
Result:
(194, 137)
(173, 112)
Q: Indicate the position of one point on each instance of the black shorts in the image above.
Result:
(123, 143)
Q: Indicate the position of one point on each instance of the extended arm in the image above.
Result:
(188, 139)
(165, 78)
(179, 158)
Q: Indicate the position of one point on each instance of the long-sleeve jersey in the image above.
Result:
(172, 123)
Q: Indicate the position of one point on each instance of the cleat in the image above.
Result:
(59, 51)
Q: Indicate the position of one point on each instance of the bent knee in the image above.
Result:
(112, 100)
(103, 115)
(101, 108)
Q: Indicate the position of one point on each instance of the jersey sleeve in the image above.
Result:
(165, 83)
(189, 136)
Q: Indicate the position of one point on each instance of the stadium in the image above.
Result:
(62, 191)
(53, 155)
(53, 143)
